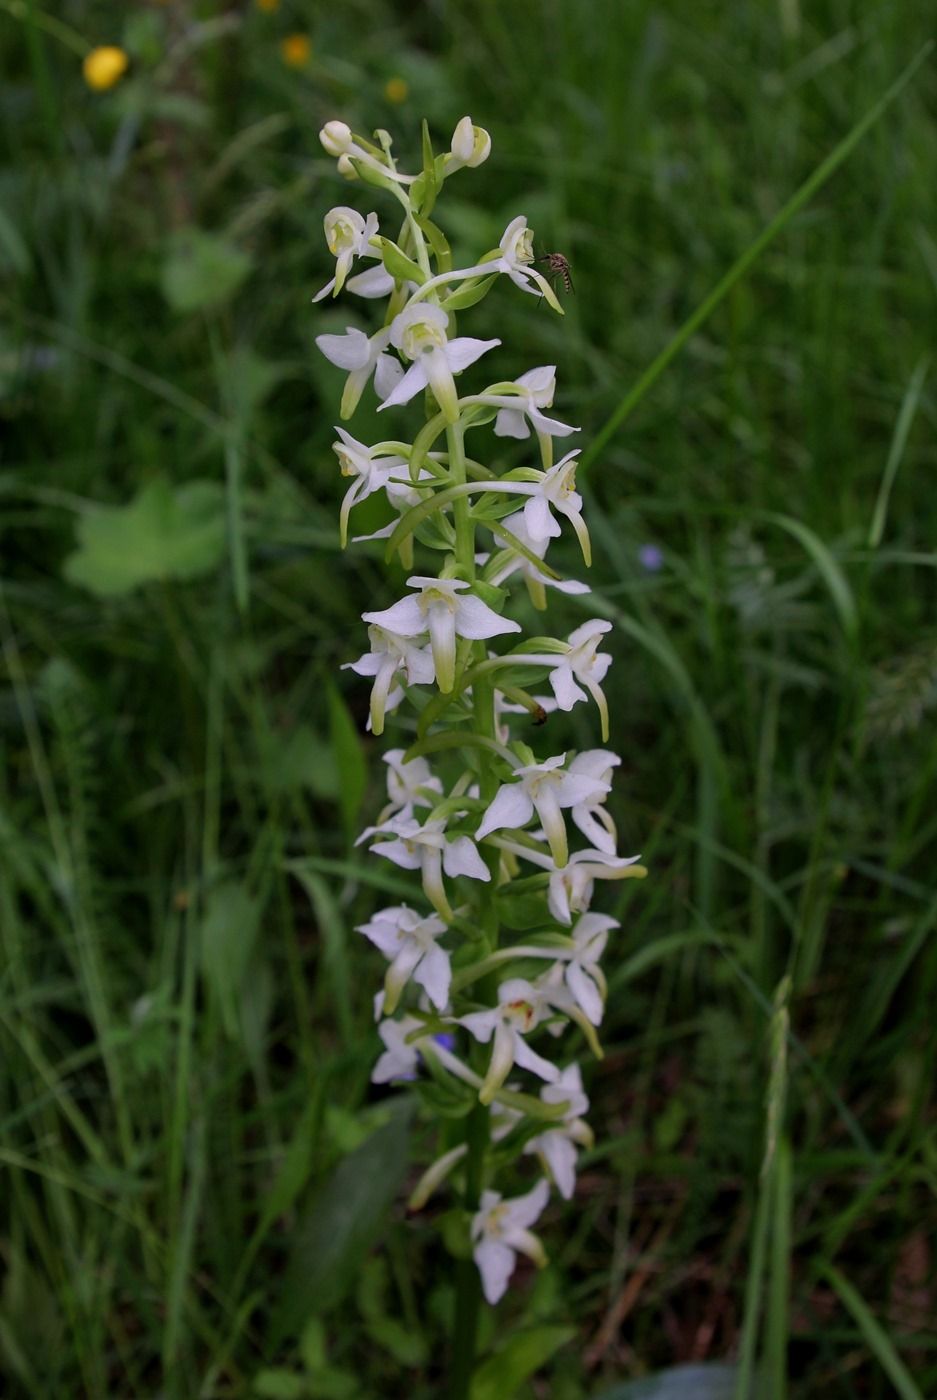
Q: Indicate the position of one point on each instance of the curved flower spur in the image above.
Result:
(471, 806)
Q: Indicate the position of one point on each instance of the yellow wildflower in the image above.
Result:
(268, 6)
(296, 50)
(104, 67)
(396, 90)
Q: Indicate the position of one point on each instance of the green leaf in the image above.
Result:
(470, 293)
(340, 1226)
(202, 270)
(828, 567)
(280, 1385)
(349, 757)
(499, 1377)
(400, 267)
(164, 533)
(707, 1382)
(229, 932)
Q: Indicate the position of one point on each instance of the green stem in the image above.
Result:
(483, 738)
(464, 526)
(468, 1281)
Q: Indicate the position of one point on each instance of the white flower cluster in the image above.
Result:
(505, 816)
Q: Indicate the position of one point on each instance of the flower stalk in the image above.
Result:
(486, 823)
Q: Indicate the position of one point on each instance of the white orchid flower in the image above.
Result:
(348, 237)
(538, 387)
(591, 817)
(571, 885)
(390, 653)
(557, 1146)
(409, 785)
(371, 468)
(400, 1059)
(514, 258)
(583, 975)
(427, 848)
(579, 664)
(521, 1007)
(439, 610)
(583, 665)
(546, 703)
(363, 356)
(553, 490)
(420, 333)
(545, 788)
(409, 941)
(470, 145)
(536, 580)
(500, 1231)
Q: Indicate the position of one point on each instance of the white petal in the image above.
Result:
(511, 422)
(388, 373)
(475, 620)
(529, 1059)
(405, 618)
(560, 1156)
(565, 689)
(551, 426)
(461, 858)
(593, 830)
(496, 1265)
(408, 387)
(325, 290)
(465, 350)
(349, 351)
(525, 1210)
(586, 992)
(434, 975)
(540, 523)
(511, 807)
(481, 1024)
(400, 854)
(376, 282)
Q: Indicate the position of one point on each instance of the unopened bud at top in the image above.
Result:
(471, 145)
(336, 138)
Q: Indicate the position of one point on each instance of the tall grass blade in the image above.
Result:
(876, 1338)
(707, 306)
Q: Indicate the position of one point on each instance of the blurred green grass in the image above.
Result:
(185, 1013)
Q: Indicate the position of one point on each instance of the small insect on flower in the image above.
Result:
(558, 265)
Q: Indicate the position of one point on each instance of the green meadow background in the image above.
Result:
(202, 1194)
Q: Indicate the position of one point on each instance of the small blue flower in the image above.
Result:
(651, 558)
